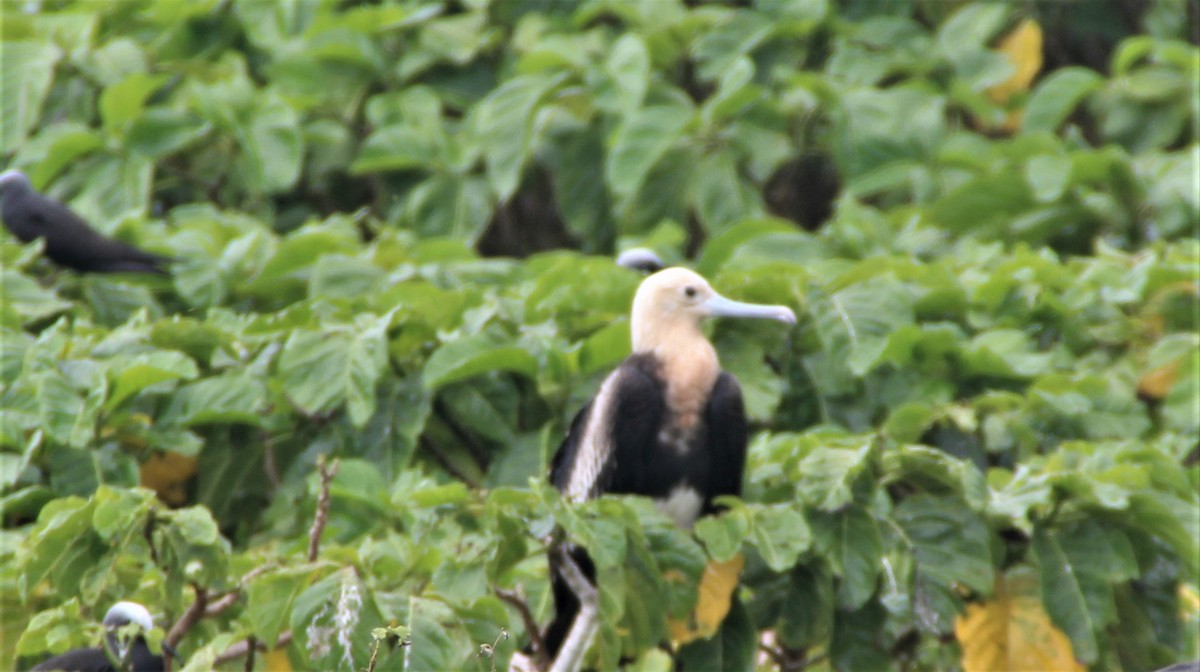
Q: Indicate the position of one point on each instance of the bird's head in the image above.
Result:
(677, 299)
(14, 177)
(122, 614)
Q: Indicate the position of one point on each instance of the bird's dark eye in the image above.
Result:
(690, 292)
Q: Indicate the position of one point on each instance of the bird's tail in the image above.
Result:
(566, 603)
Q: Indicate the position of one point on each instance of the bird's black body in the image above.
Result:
(69, 240)
(653, 457)
(141, 659)
(644, 464)
(136, 658)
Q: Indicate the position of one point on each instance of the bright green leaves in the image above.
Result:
(638, 145)
(323, 370)
(854, 323)
(28, 71)
(474, 355)
(505, 126)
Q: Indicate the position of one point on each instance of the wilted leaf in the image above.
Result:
(1011, 631)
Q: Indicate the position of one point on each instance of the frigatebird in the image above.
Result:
(116, 654)
(668, 423)
(69, 240)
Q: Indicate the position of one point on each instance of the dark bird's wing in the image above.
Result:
(611, 436)
(725, 418)
(78, 660)
(70, 241)
(630, 408)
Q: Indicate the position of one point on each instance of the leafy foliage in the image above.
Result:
(989, 234)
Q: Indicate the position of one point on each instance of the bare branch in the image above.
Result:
(327, 471)
(243, 648)
(320, 519)
(570, 655)
(190, 617)
(531, 626)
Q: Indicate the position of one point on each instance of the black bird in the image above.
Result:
(641, 259)
(69, 240)
(668, 423)
(140, 658)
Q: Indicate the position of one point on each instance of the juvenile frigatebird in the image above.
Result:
(69, 240)
(668, 423)
(96, 659)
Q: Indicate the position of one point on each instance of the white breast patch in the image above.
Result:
(682, 506)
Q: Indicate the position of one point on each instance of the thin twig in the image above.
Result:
(531, 626)
(321, 518)
(579, 638)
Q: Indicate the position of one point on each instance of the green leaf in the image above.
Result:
(951, 543)
(505, 126)
(160, 132)
(270, 598)
(25, 300)
(853, 545)
(628, 65)
(732, 649)
(322, 370)
(639, 144)
(827, 474)
(146, 370)
(234, 397)
(1064, 597)
(397, 148)
(1056, 96)
(723, 534)
(780, 534)
(854, 323)
(122, 102)
(473, 355)
(28, 71)
(808, 606)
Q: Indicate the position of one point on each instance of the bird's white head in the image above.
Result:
(673, 301)
(123, 613)
(12, 177)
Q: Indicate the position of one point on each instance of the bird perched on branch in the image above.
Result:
(136, 654)
(668, 423)
(69, 240)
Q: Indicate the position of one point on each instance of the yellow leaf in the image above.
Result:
(1012, 631)
(276, 660)
(715, 594)
(1157, 383)
(1023, 47)
(167, 474)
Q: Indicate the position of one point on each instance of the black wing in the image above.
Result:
(79, 660)
(725, 418)
(634, 408)
(72, 242)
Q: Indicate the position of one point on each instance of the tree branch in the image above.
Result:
(570, 656)
(531, 626)
(321, 518)
(190, 617)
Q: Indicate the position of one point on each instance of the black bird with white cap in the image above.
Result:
(117, 653)
(69, 240)
(668, 423)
